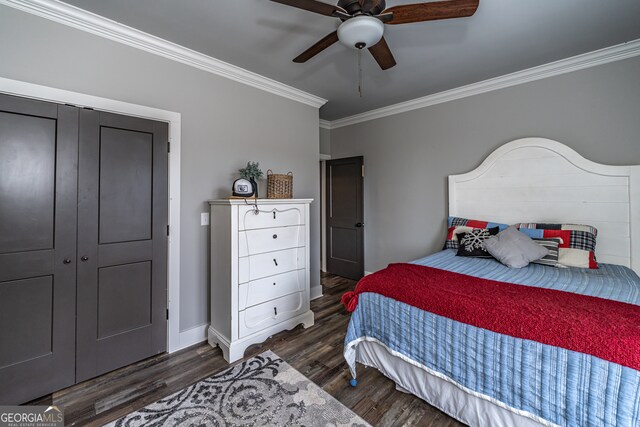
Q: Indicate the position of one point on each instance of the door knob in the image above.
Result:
(66, 261)
(84, 258)
(359, 224)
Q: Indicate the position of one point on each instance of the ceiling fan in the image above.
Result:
(363, 22)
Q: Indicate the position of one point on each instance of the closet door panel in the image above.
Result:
(125, 185)
(27, 181)
(35, 307)
(117, 314)
(38, 198)
(122, 241)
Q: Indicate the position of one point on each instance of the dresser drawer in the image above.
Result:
(258, 266)
(261, 316)
(270, 216)
(261, 290)
(251, 242)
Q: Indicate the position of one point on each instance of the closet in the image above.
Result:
(83, 244)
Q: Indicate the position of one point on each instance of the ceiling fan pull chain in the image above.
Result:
(360, 72)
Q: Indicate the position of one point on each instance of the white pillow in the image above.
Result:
(514, 248)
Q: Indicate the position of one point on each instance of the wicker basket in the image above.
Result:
(279, 186)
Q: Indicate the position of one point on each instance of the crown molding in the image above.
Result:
(75, 17)
(575, 63)
(325, 124)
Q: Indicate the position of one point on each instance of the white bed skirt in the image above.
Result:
(444, 394)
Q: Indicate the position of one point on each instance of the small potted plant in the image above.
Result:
(252, 172)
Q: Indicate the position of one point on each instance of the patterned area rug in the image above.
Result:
(261, 391)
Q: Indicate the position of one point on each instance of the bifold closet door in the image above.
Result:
(122, 241)
(38, 166)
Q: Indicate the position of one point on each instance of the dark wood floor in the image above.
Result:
(315, 352)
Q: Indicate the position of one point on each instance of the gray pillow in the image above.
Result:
(514, 248)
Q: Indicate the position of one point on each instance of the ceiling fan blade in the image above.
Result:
(419, 12)
(324, 43)
(315, 6)
(382, 54)
(384, 17)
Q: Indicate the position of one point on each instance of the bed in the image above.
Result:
(486, 378)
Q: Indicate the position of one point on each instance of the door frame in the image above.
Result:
(176, 340)
(323, 211)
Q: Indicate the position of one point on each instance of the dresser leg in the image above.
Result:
(236, 351)
(308, 320)
(215, 340)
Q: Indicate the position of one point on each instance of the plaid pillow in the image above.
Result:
(464, 225)
(578, 242)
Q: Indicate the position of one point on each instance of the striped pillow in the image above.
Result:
(552, 245)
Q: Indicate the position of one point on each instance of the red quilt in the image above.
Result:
(603, 328)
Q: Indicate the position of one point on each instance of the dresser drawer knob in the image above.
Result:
(274, 283)
(275, 236)
(275, 262)
(275, 310)
(274, 214)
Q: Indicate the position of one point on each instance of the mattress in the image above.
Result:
(549, 385)
(452, 399)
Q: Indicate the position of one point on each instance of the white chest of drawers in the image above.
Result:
(259, 271)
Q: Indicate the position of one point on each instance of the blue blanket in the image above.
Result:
(552, 384)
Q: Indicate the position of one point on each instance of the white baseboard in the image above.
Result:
(315, 292)
(191, 336)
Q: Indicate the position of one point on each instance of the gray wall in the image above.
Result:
(408, 156)
(325, 141)
(224, 124)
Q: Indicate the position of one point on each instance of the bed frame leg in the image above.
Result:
(353, 382)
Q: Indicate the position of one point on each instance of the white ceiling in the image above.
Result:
(502, 37)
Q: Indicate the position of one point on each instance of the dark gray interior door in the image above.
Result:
(38, 165)
(345, 222)
(122, 241)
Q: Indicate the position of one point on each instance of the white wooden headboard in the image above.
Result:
(540, 180)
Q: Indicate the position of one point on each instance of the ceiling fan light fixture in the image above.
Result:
(360, 32)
